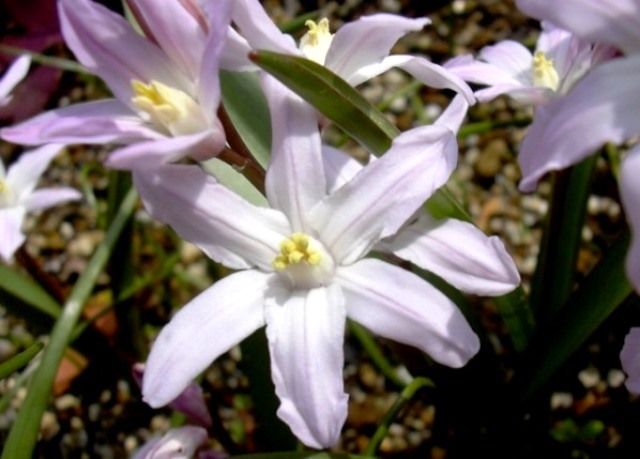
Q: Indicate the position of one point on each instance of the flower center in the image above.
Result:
(544, 72)
(168, 108)
(304, 261)
(316, 42)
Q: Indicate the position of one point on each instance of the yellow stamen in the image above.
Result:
(316, 42)
(544, 72)
(168, 108)
(295, 250)
(3, 186)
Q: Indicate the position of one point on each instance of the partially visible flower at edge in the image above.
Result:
(166, 86)
(602, 107)
(19, 196)
(357, 52)
(177, 443)
(190, 402)
(630, 359)
(508, 67)
(302, 266)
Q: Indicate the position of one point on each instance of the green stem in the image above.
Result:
(405, 396)
(49, 61)
(376, 355)
(486, 126)
(24, 433)
(555, 273)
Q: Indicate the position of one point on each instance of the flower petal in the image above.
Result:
(177, 443)
(100, 122)
(630, 195)
(23, 175)
(11, 235)
(190, 402)
(453, 116)
(475, 71)
(458, 252)
(613, 22)
(432, 75)
(209, 325)
(175, 29)
(235, 54)
(602, 107)
(398, 305)
(367, 41)
(386, 193)
(339, 167)
(209, 70)
(202, 145)
(14, 75)
(44, 198)
(305, 330)
(106, 44)
(295, 179)
(258, 28)
(226, 227)
(630, 358)
(512, 57)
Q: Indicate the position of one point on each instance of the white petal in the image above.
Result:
(367, 41)
(23, 175)
(11, 236)
(458, 252)
(99, 122)
(14, 75)
(630, 195)
(398, 305)
(209, 70)
(258, 28)
(175, 29)
(206, 327)
(602, 107)
(616, 22)
(44, 198)
(295, 179)
(432, 75)
(510, 56)
(305, 330)
(106, 44)
(453, 116)
(476, 71)
(339, 167)
(178, 443)
(386, 193)
(226, 227)
(630, 358)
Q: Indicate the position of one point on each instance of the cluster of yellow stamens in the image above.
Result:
(3, 186)
(168, 108)
(294, 250)
(544, 72)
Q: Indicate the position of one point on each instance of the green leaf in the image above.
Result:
(247, 108)
(27, 291)
(24, 432)
(598, 296)
(304, 455)
(333, 97)
(20, 360)
(234, 180)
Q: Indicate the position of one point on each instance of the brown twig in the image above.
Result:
(50, 283)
